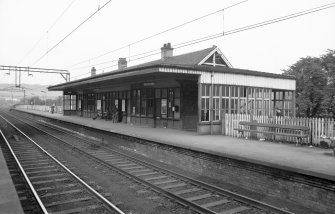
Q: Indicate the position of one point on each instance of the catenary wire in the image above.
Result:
(241, 29)
(214, 36)
(48, 30)
(156, 34)
(58, 43)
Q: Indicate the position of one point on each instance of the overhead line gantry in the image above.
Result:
(18, 70)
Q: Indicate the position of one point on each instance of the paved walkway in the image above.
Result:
(307, 160)
(9, 201)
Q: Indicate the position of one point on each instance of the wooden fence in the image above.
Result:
(318, 126)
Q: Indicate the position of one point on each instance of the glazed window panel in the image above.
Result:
(205, 89)
(164, 108)
(91, 102)
(67, 102)
(138, 102)
(225, 105)
(243, 92)
(176, 114)
(234, 92)
(251, 100)
(267, 107)
(234, 106)
(170, 102)
(225, 91)
(73, 102)
(205, 109)
(216, 108)
(259, 107)
(243, 106)
(158, 108)
(216, 91)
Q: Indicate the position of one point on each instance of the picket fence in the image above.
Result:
(319, 127)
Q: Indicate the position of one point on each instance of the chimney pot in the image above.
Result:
(122, 63)
(166, 51)
(93, 71)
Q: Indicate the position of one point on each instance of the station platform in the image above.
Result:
(303, 159)
(9, 200)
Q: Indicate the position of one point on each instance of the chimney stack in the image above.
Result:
(122, 63)
(166, 51)
(93, 71)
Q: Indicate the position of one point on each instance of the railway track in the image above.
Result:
(194, 194)
(55, 188)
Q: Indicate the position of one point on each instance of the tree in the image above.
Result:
(328, 63)
(315, 96)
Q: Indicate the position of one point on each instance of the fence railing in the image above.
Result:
(319, 127)
(58, 109)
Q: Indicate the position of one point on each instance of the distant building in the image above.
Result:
(188, 91)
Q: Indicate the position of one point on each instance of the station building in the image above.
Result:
(191, 91)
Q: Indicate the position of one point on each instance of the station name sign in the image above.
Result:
(148, 84)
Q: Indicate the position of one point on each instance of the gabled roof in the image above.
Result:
(191, 59)
(208, 60)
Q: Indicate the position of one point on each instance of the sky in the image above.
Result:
(30, 30)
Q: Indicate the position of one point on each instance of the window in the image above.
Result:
(251, 100)
(216, 102)
(135, 101)
(143, 102)
(283, 103)
(205, 103)
(73, 102)
(170, 102)
(138, 102)
(164, 108)
(243, 100)
(259, 101)
(67, 102)
(176, 107)
(225, 99)
(91, 102)
(234, 100)
(267, 101)
(149, 100)
(158, 102)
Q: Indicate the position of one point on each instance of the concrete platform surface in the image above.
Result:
(306, 160)
(9, 200)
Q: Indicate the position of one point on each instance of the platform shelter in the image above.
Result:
(191, 91)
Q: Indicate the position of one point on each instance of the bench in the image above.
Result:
(299, 132)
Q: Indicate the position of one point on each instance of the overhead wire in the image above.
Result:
(156, 34)
(76, 28)
(214, 36)
(233, 31)
(48, 30)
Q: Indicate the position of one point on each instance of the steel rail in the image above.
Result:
(41, 205)
(94, 192)
(236, 196)
(168, 194)
(209, 187)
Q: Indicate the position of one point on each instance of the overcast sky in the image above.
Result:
(24, 39)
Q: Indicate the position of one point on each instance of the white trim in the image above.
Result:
(237, 79)
(211, 54)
